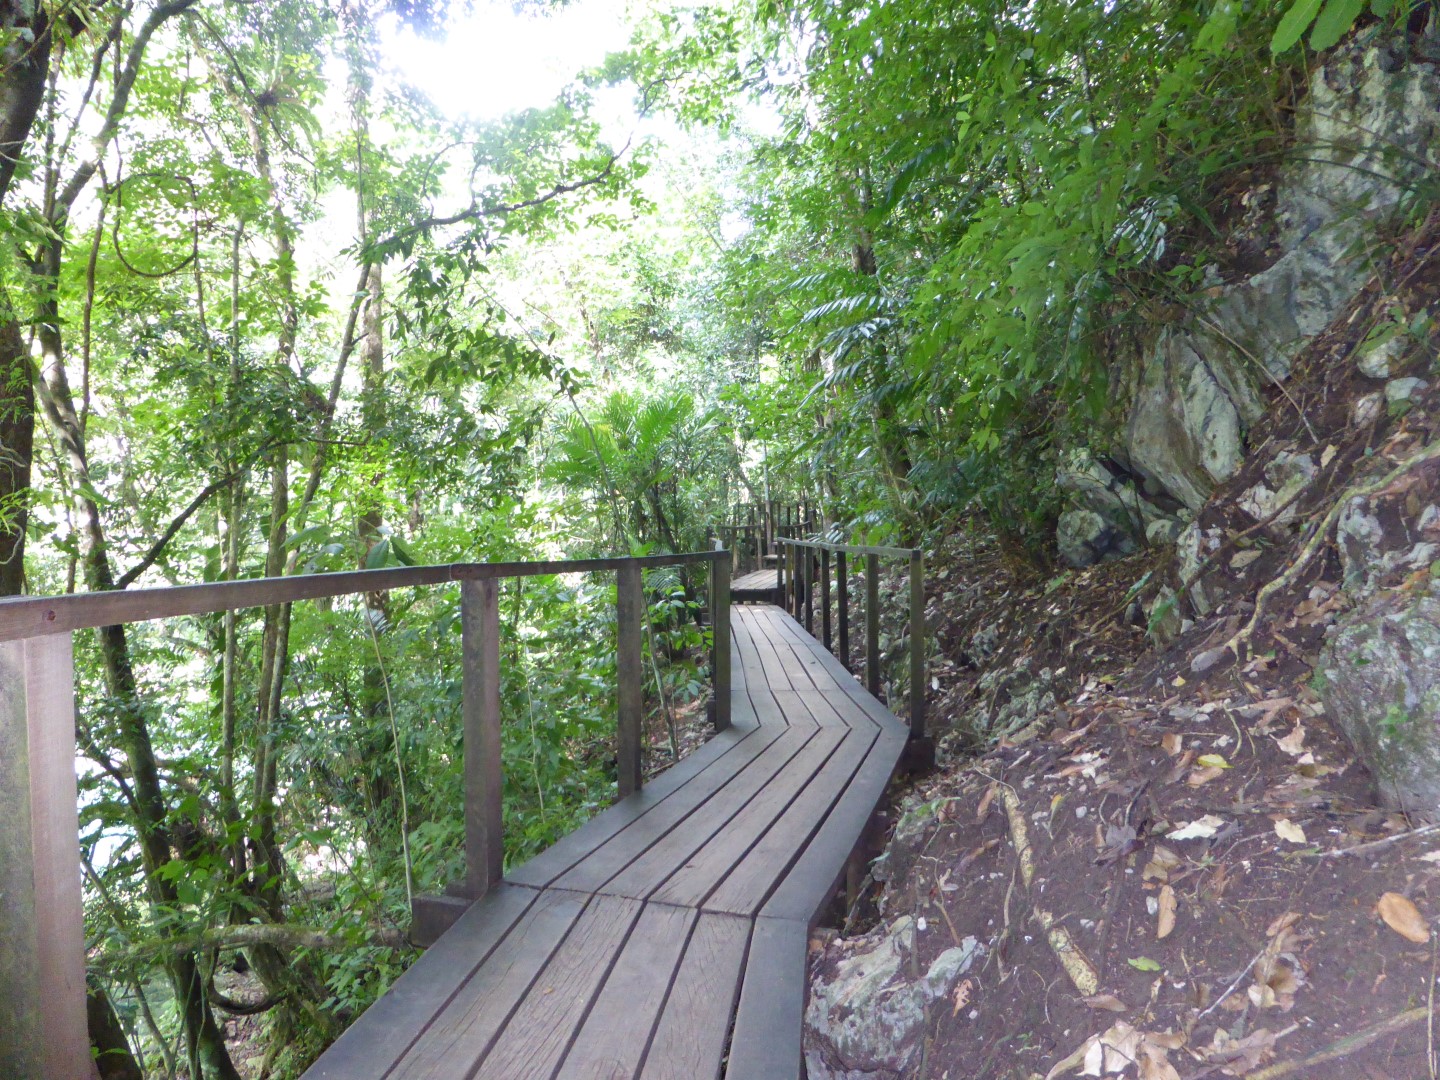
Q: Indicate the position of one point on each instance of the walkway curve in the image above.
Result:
(665, 938)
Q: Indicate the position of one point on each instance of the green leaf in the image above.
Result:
(1334, 21)
(377, 556)
(1382, 8)
(1293, 25)
(1143, 963)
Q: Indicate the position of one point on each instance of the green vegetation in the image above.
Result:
(268, 310)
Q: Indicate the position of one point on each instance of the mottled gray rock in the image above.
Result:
(1365, 133)
(865, 1019)
(1381, 361)
(1185, 432)
(1085, 537)
(1381, 685)
(1285, 477)
(1400, 394)
(1163, 531)
(1367, 409)
(1193, 548)
(1163, 621)
(1092, 485)
(1361, 539)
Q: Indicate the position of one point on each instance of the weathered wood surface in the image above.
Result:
(758, 585)
(666, 938)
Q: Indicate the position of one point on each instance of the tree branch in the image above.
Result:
(158, 548)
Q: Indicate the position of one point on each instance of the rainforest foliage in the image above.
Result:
(270, 310)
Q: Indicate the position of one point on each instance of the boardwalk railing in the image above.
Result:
(42, 961)
(807, 563)
(755, 534)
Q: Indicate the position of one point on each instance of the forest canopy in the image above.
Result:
(269, 309)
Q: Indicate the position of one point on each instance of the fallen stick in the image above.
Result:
(1384, 841)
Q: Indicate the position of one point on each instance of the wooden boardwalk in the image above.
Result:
(667, 936)
(763, 585)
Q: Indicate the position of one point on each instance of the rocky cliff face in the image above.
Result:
(1367, 134)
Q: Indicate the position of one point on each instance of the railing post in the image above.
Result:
(872, 624)
(841, 579)
(809, 598)
(484, 774)
(781, 554)
(720, 640)
(630, 605)
(42, 951)
(917, 645)
(792, 599)
(825, 597)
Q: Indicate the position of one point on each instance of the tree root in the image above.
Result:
(1077, 965)
(1343, 1047)
(1317, 538)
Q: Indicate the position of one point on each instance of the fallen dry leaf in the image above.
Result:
(1199, 829)
(1162, 861)
(962, 996)
(1199, 777)
(1172, 743)
(1403, 917)
(985, 803)
(1107, 1002)
(1294, 743)
(1165, 924)
(1288, 830)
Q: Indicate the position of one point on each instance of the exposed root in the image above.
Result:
(1077, 965)
(1344, 1047)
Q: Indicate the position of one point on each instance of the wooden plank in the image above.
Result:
(630, 676)
(615, 855)
(540, 1032)
(545, 867)
(612, 1042)
(768, 1021)
(698, 875)
(474, 1014)
(773, 670)
(689, 1041)
(811, 880)
(480, 708)
(658, 862)
(391, 1026)
(750, 882)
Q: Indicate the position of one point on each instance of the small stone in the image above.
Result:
(1400, 394)
(1204, 661)
(1367, 409)
(1381, 361)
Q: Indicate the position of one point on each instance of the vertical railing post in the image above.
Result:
(792, 601)
(842, 581)
(630, 605)
(809, 598)
(825, 597)
(42, 950)
(720, 640)
(917, 645)
(781, 554)
(480, 706)
(872, 624)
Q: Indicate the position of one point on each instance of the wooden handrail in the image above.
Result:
(35, 616)
(797, 588)
(42, 969)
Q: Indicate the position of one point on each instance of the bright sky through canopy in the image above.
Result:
(497, 61)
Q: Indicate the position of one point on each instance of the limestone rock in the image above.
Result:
(1084, 538)
(1163, 621)
(1193, 548)
(1361, 540)
(1381, 361)
(1367, 409)
(865, 1019)
(1381, 684)
(1163, 531)
(1200, 385)
(1400, 394)
(1093, 485)
(1285, 477)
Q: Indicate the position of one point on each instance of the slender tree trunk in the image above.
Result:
(17, 439)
